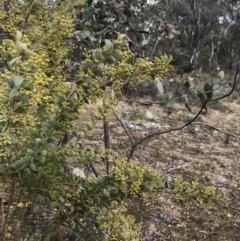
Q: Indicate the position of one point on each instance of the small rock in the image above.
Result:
(149, 115)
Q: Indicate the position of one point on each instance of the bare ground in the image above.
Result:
(208, 150)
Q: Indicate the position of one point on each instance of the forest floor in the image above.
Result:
(208, 150)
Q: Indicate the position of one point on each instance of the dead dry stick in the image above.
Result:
(217, 129)
(179, 167)
(125, 128)
(131, 113)
(106, 140)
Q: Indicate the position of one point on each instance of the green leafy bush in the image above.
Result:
(39, 104)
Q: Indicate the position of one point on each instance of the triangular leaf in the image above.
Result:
(144, 42)
(15, 60)
(8, 43)
(7, 56)
(110, 60)
(12, 93)
(202, 97)
(108, 45)
(27, 85)
(117, 54)
(83, 34)
(221, 74)
(208, 91)
(23, 98)
(18, 80)
(37, 5)
(18, 36)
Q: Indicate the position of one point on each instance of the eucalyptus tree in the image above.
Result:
(198, 26)
(230, 52)
(141, 21)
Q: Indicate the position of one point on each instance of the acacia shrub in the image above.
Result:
(38, 106)
(39, 103)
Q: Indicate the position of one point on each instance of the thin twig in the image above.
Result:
(131, 113)
(106, 142)
(155, 46)
(94, 170)
(125, 128)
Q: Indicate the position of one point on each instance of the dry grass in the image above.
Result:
(197, 151)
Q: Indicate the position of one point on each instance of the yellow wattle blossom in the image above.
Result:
(20, 205)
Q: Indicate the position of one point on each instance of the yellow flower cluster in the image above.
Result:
(118, 226)
(5, 139)
(210, 190)
(11, 17)
(22, 205)
(132, 178)
(187, 193)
